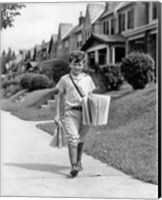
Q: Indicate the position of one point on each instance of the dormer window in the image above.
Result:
(106, 27)
(130, 24)
(121, 22)
(112, 26)
(154, 10)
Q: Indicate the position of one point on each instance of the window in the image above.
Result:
(106, 27)
(107, 30)
(130, 23)
(121, 22)
(154, 10)
(112, 26)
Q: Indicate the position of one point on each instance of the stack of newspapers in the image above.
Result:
(95, 109)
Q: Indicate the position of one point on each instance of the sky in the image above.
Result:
(37, 22)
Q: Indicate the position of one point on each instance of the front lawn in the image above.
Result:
(129, 141)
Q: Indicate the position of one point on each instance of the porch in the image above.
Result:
(103, 50)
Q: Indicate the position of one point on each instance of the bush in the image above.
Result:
(59, 69)
(34, 81)
(25, 80)
(8, 83)
(39, 81)
(55, 69)
(138, 69)
(111, 76)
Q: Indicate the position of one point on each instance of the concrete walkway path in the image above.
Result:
(30, 167)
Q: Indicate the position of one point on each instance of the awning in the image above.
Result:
(102, 39)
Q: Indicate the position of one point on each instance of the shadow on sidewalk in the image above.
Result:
(41, 167)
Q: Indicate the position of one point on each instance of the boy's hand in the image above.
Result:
(57, 119)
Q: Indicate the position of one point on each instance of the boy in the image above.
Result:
(72, 119)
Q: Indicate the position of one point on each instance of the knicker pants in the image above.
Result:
(74, 129)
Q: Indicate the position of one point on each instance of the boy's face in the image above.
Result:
(76, 67)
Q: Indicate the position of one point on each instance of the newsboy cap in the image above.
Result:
(77, 56)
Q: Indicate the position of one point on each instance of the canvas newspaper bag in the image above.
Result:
(95, 107)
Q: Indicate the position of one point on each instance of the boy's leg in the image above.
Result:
(79, 155)
(83, 132)
(71, 123)
(73, 159)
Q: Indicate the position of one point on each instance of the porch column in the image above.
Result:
(86, 60)
(108, 55)
(126, 47)
(96, 57)
(113, 54)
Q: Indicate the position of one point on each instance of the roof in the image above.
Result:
(103, 39)
(109, 38)
(95, 10)
(63, 29)
(70, 32)
(54, 37)
(114, 7)
(79, 28)
(38, 47)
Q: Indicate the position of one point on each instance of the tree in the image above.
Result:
(8, 12)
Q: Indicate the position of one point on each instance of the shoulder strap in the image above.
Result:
(76, 87)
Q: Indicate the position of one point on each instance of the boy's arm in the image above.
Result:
(59, 99)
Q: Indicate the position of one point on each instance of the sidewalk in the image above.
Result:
(30, 167)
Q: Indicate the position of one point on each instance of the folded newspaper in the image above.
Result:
(59, 138)
(95, 109)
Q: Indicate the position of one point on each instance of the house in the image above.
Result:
(44, 50)
(78, 34)
(124, 27)
(37, 52)
(93, 12)
(64, 28)
(52, 46)
(140, 26)
(106, 45)
(68, 42)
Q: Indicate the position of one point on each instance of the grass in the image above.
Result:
(29, 109)
(128, 142)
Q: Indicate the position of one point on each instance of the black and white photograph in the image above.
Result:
(80, 99)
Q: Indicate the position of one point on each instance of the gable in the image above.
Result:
(87, 19)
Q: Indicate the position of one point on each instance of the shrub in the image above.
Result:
(59, 69)
(25, 80)
(8, 83)
(39, 81)
(138, 69)
(54, 69)
(111, 76)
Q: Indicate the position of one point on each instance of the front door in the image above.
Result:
(119, 54)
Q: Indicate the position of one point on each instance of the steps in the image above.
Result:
(51, 104)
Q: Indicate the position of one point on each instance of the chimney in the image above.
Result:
(107, 5)
(81, 19)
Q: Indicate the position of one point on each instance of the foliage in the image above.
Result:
(54, 69)
(59, 69)
(33, 81)
(138, 69)
(39, 81)
(6, 58)
(25, 80)
(111, 76)
(8, 12)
